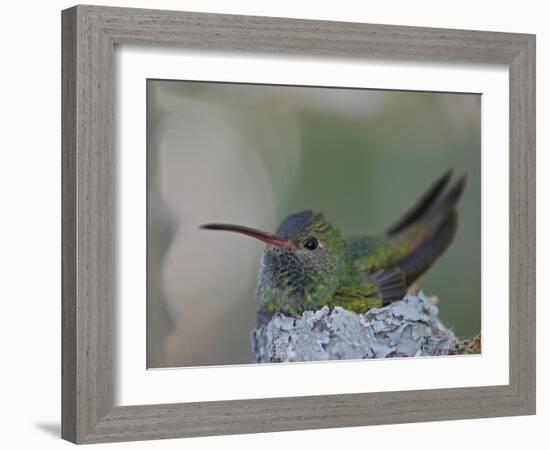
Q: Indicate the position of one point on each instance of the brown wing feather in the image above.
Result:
(391, 282)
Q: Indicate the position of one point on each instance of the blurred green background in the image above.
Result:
(252, 154)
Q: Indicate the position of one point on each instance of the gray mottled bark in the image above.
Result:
(406, 328)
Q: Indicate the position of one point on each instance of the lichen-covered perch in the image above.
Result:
(405, 328)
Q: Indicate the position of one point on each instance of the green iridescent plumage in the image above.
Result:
(308, 264)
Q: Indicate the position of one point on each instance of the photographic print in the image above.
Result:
(299, 223)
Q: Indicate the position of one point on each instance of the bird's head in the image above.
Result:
(304, 257)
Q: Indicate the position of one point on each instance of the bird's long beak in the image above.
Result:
(268, 238)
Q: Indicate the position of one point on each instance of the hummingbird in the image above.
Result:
(308, 264)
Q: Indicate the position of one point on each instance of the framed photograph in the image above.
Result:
(277, 224)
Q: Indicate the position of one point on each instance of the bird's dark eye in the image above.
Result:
(311, 244)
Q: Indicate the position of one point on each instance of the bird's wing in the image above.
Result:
(358, 299)
(391, 282)
(379, 288)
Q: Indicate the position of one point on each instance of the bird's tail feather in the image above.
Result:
(421, 258)
(422, 206)
(431, 224)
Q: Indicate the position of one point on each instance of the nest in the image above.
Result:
(409, 327)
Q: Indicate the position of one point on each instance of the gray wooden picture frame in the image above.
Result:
(90, 34)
